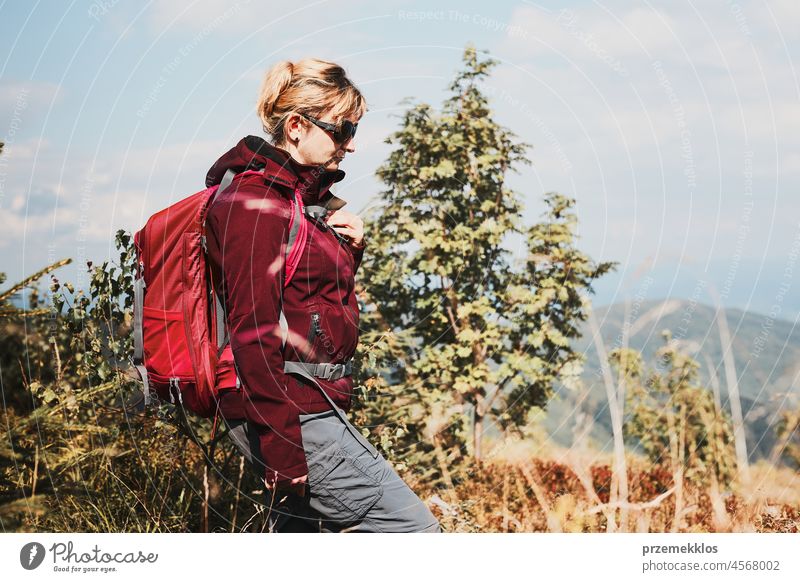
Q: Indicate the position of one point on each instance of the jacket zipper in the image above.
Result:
(313, 330)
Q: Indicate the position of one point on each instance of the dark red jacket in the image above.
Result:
(247, 230)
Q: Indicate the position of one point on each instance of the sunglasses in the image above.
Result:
(339, 134)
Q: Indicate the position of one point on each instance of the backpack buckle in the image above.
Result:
(328, 371)
(336, 371)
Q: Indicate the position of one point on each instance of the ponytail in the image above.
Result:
(310, 86)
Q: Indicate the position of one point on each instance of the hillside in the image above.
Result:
(766, 355)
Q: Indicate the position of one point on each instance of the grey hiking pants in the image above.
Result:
(351, 487)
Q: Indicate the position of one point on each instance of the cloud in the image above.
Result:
(779, 15)
(71, 204)
(588, 34)
(31, 93)
(21, 101)
(593, 73)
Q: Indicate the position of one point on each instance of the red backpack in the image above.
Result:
(181, 350)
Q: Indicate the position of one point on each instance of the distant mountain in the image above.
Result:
(766, 354)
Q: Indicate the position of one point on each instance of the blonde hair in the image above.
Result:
(310, 86)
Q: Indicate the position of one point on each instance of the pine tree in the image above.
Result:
(470, 334)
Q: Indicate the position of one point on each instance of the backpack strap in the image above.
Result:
(326, 371)
(138, 334)
(294, 247)
(330, 372)
(227, 179)
(297, 234)
(219, 309)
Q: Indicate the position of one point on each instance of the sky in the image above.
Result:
(674, 125)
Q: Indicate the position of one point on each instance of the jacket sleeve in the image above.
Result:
(250, 231)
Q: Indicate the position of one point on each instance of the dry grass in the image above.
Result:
(550, 495)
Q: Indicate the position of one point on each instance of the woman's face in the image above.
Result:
(310, 144)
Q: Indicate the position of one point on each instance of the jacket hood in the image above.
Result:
(311, 181)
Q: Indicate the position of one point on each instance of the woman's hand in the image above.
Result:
(348, 225)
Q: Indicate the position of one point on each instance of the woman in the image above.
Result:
(291, 424)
